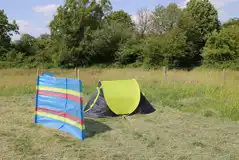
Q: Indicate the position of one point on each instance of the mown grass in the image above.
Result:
(166, 134)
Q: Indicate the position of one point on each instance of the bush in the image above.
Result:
(130, 52)
(107, 41)
(165, 50)
(14, 56)
(222, 48)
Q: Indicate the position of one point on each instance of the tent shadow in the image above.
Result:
(94, 127)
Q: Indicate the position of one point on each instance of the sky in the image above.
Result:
(33, 16)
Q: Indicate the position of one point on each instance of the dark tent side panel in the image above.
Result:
(144, 107)
(97, 107)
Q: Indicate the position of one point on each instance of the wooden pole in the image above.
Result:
(37, 71)
(78, 73)
(165, 73)
(224, 76)
(40, 71)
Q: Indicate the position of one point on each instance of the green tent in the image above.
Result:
(120, 97)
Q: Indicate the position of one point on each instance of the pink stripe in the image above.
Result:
(63, 114)
(74, 98)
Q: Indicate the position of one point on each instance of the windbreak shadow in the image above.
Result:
(94, 127)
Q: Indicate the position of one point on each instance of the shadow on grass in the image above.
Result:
(94, 127)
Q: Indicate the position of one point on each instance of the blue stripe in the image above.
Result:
(60, 104)
(56, 124)
(72, 84)
(36, 102)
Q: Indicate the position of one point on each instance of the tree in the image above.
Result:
(43, 45)
(72, 27)
(107, 41)
(130, 52)
(45, 36)
(199, 19)
(222, 47)
(74, 17)
(27, 45)
(143, 21)
(167, 49)
(6, 31)
(231, 22)
(120, 17)
(164, 19)
(106, 6)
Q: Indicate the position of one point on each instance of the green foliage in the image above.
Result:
(222, 47)
(6, 31)
(204, 14)
(72, 30)
(44, 53)
(14, 56)
(165, 19)
(198, 19)
(31, 50)
(88, 33)
(167, 49)
(231, 22)
(120, 17)
(106, 42)
(130, 52)
(26, 45)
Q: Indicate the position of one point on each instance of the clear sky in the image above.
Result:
(33, 16)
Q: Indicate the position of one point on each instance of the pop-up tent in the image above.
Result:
(120, 97)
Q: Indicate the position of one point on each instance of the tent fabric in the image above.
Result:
(122, 96)
(144, 106)
(98, 106)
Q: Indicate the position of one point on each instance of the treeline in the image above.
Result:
(86, 33)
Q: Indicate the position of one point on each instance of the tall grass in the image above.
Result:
(207, 92)
(165, 134)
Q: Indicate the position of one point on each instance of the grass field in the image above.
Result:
(197, 117)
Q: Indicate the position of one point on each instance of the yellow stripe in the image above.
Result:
(52, 89)
(76, 124)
